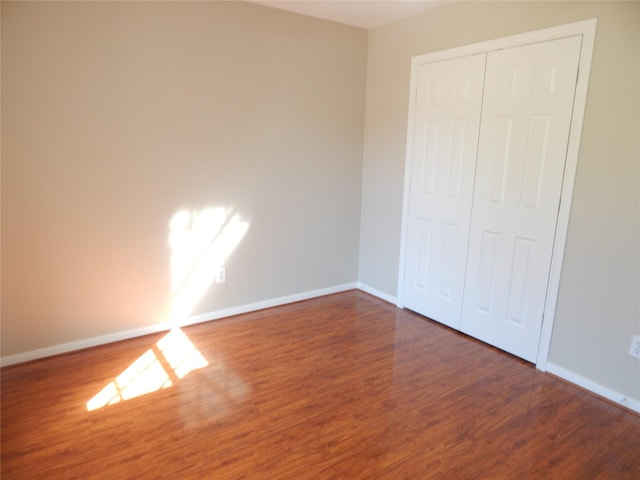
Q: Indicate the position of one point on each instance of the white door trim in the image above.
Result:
(587, 29)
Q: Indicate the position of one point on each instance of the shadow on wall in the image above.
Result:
(201, 242)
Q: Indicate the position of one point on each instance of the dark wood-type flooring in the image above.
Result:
(343, 386)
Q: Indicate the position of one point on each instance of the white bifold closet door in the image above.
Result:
(526, 117)
(486, 178)
(443, 158)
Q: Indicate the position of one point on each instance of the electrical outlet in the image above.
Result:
(221, 275)
(634, 349)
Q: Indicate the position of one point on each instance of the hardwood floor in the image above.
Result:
(344, 386)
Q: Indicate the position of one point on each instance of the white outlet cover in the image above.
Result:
(634, 349)
(221, 275)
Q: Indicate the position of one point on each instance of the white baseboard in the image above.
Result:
(377, 293)
(616, 397)
(80, 344)
(160, 327)
(274, 302)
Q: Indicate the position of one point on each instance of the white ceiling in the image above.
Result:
(360, 13)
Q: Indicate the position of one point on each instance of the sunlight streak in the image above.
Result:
(200, 243)
(180, 353)
(147, 374)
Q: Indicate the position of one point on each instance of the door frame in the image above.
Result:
(586, 29)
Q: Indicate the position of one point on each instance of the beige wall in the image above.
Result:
(598, 308)
(117, 115)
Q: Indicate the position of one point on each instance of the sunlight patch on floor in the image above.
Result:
(169, 360)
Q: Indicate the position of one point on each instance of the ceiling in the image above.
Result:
(360, 13)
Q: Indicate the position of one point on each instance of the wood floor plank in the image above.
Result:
(343, 386)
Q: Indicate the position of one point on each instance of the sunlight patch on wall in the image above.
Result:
(169, 360)
(200, 243)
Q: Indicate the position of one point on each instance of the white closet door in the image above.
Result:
(444, 130)
(526, 117)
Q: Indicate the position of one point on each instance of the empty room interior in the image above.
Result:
(235, 241)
